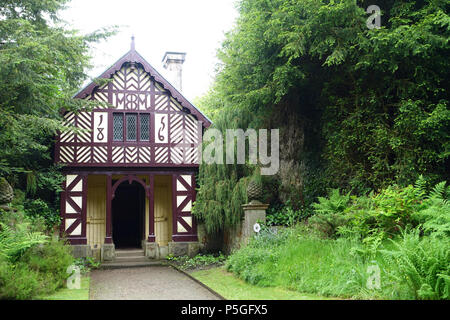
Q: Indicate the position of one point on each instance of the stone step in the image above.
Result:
(128, 264)
(131, 258)
(129, 253)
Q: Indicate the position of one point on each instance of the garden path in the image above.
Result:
(145, 283)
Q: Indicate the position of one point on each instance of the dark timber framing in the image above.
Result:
(75, 191)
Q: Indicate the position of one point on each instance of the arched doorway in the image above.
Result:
(128, 215)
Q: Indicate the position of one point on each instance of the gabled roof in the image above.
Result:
(134, 56)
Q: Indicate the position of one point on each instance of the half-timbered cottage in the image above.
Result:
(130, 169)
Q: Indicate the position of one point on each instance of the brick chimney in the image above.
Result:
(173, 62)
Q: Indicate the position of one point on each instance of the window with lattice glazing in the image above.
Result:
(131, 126)
(144, 120)
(118, 126)
(126, 125)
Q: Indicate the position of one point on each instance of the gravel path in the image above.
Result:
(146, 283)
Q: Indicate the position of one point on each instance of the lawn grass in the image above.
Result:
(232, 288)
(71, 294)
(307, 264)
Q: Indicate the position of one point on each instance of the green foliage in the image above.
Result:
(31, 264)
(384, 214)
(218, 201)
(330, 212)
(301, 262)
(51, 259)
(42, 64)
(18, 281)
(404, 232)
(283, 216)
(435, 218)
(197, 262)
(14, 241)
(40, 208)
(40, 270)
(357, 109)
(86, 264)
(410, 267)
(423, 263)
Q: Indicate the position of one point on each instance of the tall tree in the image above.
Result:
(358, 108)
(42, 63)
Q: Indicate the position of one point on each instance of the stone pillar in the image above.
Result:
(108, 252)
(151, 250)
(254, 212)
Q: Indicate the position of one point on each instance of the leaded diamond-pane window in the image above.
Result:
(131, 126)
(144, 126)
(118, 127)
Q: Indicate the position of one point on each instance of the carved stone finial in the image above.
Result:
(132, 43)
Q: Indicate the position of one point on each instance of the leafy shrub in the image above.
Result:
(40, 270)
(395, 208)
(30, 263)
(283, 216)
(198, 261)
(39, 208)
(18, 216)
(435, 218)
(52, 259)
(17, 281)
(385, 214)
(330, 212)
(86, 264)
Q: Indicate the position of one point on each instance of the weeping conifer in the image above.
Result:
(223, 187)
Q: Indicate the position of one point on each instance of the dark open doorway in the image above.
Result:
(128, 215)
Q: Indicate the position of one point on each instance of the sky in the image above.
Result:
(196, 27)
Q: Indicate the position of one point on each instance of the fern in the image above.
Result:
(439, 191)
(422, 263)
(13, 242)
(330, 215)
(421, 186)
(336, 203)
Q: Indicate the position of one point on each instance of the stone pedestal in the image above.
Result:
(108, 252)
(151, 250)
(254, 212)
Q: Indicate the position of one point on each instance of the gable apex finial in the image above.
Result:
(132, 43)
